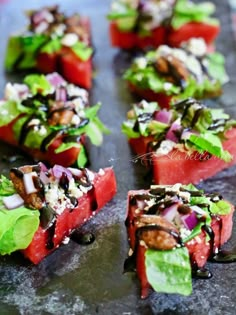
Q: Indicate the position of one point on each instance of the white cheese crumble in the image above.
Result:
(165, 147)
(69, 39)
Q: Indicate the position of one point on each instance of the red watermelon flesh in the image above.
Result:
(176, 166)
(199, 247)
(104, 189)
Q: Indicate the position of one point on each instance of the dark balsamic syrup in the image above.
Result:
(224, 257)
(50, 235)
(201, 273)
(82, 238)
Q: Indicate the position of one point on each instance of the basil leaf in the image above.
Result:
(221, 207)
(66, 146)
(17, 228)
(127, 129)
(186, 11)
(169, 271)
(9, 110)
(52, 46)
(38, 83)
(6, 186)
(82, 159)
(210, 143)
(82, 51)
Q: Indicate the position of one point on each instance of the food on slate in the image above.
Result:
(186, 144)
(150, 23)
(53, 42)
(173, 231)
(48, 118)
(176, 73)
(41, 207)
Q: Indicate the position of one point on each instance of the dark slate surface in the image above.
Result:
(89, 280)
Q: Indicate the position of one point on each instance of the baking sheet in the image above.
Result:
(90, 280)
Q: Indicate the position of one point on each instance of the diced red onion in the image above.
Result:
(75, 172)
(170, 212)
(29, 183)
(61, 94)
(13, 201)
(55, 79)
(189, 220)
(42, 15)
(43, 167)
(171, 133)
(163, 116)
(58, 170)
(44, 178)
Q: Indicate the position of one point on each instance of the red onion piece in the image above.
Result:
(29, 183)
(75, 172)
(43, 167)
(44, 178)
(13, 201)
(55, 79)
(171, 133)
(58, 170)
(189, 220)
(170, 212)
(61, 94)
(163, 116)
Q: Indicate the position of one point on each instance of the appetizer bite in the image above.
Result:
(169, 73)
(41, 207)
(150, 23)
(48, 118)
(53, 42)
(186, 144)
(173, 231)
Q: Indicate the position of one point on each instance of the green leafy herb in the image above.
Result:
(17, 228)
(221, 207)
(169, 271)
(82, 159)
(38, 84)
(52, 46)
(9, 110)
(83, 51)
(6, 186)
(210, 143)
(186, 11)
(67, 146)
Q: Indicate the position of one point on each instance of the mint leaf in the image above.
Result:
(221, 207)
(210, 143)
(38, 84)
(66, 146)
(186, 11)
(9, 110)
(82, 51)
(169, 271)
(6, 186)
(52, 46)
(82, 159)
(17, 228)
(127, 129)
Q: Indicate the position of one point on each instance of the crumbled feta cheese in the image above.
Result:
(196, 46)
(73, 90)
(41, 28)
(167, 86)
(141, 62)
(69, 39)
(85, 189)
(101, 172)
(74, 190)
(90, 175)
(59, 29)
(184, 232)
(75, 120)
(42, 130)
(142, 243)
(165, 147)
